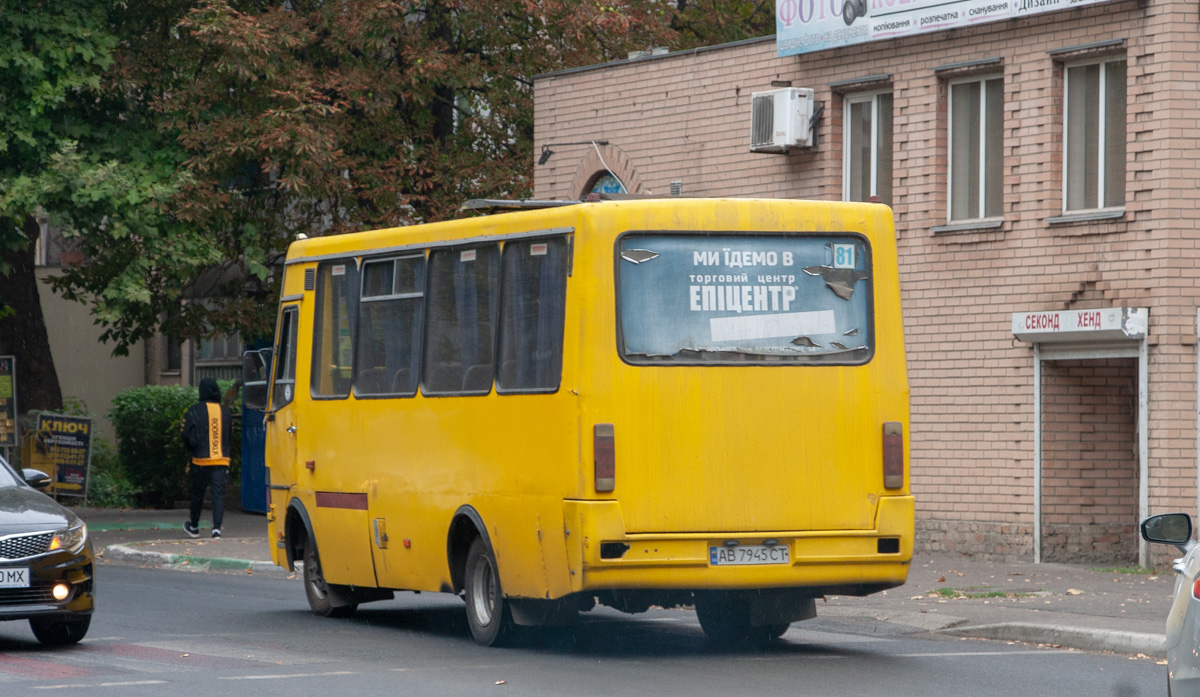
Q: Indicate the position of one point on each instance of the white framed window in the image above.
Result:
(867, 147)
(976, 148)
(1094, 135)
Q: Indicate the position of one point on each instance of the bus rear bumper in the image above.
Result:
(602, 556)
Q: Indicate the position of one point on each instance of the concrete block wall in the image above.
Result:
(686, 117)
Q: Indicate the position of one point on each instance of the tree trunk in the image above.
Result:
(23, 332)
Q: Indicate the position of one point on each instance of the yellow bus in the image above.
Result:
(658, 402)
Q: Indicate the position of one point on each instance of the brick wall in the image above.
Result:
(1089, 461)
(686, 117)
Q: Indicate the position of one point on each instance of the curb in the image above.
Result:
(1083, 638)
(125, 554)
(917, 621)
(132, 525)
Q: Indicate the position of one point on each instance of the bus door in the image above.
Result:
(280, 425)
(328, 436)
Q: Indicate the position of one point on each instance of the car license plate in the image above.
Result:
(748, 554)
(14, 578)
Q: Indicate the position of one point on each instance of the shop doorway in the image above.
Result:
(1091, 450)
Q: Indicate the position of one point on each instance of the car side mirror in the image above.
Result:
(1169, 528)
(36, 478)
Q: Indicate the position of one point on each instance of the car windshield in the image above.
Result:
(801, 298)
(8, 477)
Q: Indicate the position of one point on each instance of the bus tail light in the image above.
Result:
(605, 452)
(893, 455)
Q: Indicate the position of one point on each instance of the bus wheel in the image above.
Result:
(321, 597)
(726, 620)
(488, 614)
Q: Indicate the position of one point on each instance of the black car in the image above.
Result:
(46, 563)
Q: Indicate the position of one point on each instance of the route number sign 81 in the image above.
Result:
(844, 256)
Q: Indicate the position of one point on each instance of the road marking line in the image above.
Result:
(1045, 652)
(102, 684)
(405, 670)
(282, 677)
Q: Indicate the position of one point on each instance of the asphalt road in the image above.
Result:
(170, 632)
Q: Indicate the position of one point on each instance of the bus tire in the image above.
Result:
(488, 614)
(725, 619)
(322, 597)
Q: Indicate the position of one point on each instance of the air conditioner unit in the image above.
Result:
(779, 119)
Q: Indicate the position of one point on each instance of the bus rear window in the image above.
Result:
(692, 299)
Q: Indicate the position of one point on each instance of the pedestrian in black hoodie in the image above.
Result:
(207, 431)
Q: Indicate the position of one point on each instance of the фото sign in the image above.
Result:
(803, 26)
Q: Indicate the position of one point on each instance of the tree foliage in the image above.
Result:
(194, 140)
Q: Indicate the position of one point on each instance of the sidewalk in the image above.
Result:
(156, 538)
(1074, 606)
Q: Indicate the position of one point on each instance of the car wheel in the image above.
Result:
(488, 615)
(322, 597)
(60, 632)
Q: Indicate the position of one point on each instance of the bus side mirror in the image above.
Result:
(256, 369)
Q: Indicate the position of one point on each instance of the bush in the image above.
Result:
(108, 484)
(148, 422)
(149, 426)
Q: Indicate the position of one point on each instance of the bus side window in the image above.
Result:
(460, 336)
(531, 315)
(389, 327)
(334, 323)
(285, 361)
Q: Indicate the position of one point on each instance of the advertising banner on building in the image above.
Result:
(8, 401)
(803, 26)
(64, 445)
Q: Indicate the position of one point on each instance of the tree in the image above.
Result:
(185, 143)
(50, 59)
(707, 22)
(324, 118)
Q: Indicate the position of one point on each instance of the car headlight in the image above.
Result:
(72, 539)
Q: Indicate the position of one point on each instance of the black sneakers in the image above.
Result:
(216, 533)
(193, 531)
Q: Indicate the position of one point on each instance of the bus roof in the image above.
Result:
(564, 216)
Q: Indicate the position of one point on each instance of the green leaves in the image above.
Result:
(183, 144)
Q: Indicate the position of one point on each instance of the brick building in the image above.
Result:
(1039, 164)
